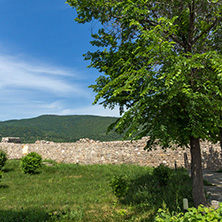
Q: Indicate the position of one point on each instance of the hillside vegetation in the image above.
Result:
(60, 128)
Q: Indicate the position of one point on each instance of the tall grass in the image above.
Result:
(69, 192)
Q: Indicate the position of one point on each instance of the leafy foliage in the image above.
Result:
(31, 163)
(3, 158)
(193, 214)
(161, 63)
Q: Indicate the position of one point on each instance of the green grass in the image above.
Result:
(69, 192)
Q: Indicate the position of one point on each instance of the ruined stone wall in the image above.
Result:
(88, 151)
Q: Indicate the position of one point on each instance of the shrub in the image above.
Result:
(3, 158)
(31, 163)
(120, 185)
(200, 214)
(163, 174)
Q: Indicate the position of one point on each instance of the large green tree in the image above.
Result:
(161, 63)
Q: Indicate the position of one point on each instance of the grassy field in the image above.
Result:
(69, 192)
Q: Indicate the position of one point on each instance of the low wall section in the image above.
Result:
(87, 151)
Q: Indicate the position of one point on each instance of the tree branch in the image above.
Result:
(208, 29)
(191, 25)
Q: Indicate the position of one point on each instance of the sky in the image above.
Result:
(42, 70)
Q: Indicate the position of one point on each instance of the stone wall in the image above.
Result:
(87, 151)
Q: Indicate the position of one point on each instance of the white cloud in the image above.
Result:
(29, 108)
(18, 74)
(91, 110)
(29, 89)
(60, 108)
(33, 66)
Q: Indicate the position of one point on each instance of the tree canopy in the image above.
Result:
(161, 63)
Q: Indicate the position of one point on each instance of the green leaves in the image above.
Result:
(193, 214)
(161, 64)
(31, 163)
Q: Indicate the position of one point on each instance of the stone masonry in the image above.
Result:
(86, 151)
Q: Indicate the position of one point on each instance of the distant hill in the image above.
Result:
(60, 128)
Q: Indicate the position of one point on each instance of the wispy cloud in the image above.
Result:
(34, 88)
(29, 108)
(91, 110)
(19, 74)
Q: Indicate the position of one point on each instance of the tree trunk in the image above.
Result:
(197, 173)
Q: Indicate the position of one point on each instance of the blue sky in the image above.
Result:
(42, 70)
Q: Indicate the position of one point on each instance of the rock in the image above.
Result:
(86, 140)
(215, 204)
(42, 141)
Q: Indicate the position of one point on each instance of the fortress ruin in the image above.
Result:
(86, 151)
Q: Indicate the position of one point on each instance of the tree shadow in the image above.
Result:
(7, 170)
(29, 215)
(33, 173)
(2, 186)
(147, 191)
(212, 160)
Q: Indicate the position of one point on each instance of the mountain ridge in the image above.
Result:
(65, 128)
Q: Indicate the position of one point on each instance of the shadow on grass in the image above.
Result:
(2, 186)
(31, 215)
(33, 173)
(147, 193)
(212, 159)
(7, 170)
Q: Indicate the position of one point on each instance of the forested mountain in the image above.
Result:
(60, 128)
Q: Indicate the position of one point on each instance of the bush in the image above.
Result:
(31, 163)
(200, 214)
(3, 158)
(120, 185)
(163, 174)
